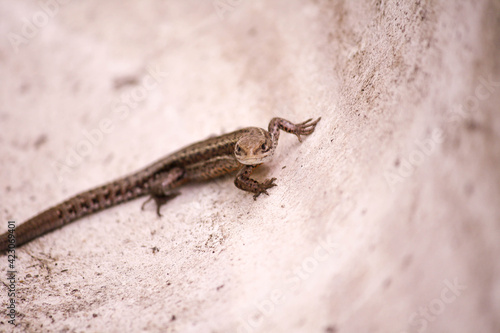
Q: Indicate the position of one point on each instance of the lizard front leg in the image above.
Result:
(304, 128)
(245, 183)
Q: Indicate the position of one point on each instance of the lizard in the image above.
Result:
(240, 151)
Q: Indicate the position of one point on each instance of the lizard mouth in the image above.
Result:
(253, 160)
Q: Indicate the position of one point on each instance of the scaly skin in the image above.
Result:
(241, 151)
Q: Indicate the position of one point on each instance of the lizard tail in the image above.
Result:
(78, 206)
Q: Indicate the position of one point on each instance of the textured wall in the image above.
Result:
(386, 219)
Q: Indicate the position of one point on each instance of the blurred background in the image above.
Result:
(385, 219)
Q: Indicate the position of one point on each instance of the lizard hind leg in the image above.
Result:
(160, 187)
(160, 200)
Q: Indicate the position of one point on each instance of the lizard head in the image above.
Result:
(256, 147)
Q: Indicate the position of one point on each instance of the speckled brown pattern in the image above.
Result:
(244, 149)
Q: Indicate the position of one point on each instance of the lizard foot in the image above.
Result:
(160, 200)
(268, 183)
(305, 128)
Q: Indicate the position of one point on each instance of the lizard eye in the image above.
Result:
(238, 149)
(263, 147)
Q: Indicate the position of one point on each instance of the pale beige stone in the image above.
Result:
(386, 219)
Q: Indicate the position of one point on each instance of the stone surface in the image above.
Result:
(386, 219)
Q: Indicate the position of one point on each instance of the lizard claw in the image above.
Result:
(160, 200)
(268, 183)
(306, 127)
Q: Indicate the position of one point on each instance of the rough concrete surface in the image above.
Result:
(386, 219)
